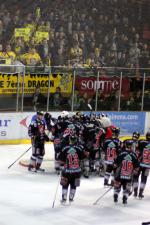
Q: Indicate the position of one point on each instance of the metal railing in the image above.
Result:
(105, 88)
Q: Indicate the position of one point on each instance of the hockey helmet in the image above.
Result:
(40, 113)
(105, 121)
(128, 144)
(115, 131)
(64, 114)
(135, 135)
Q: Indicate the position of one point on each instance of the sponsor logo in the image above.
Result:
(106, 85)
(24, 122)
(3, 133)
(4, 124)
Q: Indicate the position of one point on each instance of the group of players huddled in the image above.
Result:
(87, 144)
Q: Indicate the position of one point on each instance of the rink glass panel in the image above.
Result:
(11, 81)
(71, 89)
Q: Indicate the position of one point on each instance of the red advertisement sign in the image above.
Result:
(106, 84)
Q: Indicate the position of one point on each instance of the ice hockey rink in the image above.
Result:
(27, 198)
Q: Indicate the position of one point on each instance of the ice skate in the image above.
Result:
(115, 198)
(40, 170)
(124, 200)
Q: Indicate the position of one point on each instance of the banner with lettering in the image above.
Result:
(128, 122)
(40, 35)
(23, 32)
(10, 83)
(106, 84)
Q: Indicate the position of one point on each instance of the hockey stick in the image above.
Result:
(90, 107)
(19, 158)
(95, 203)
(53, 205)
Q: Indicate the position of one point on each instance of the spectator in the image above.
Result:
(10, 54)
(101, 100)
(134, 54)
(32, 58)
(38, 100)
(57, 99)
(144, 56)
(78, 30)
(147, 100)
(2, 54)
(84, 101)
(76, 52)
(19, 47)
(59, 58)
(43, 50)
(122, 60)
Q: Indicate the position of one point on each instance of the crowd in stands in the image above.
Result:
(76, 32)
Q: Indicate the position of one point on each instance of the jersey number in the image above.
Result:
(127, 168)
(111, 154)
(73, 161)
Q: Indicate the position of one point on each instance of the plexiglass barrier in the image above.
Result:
(25, 88)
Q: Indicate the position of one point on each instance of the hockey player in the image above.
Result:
(91, 136)
(125, 165)
(57, 134)
(134, 140)
(36, 132)
(144, 159)
(111, 149)
(49, 120)
(70, 157)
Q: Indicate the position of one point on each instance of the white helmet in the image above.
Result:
(105, 121)
(64, 114)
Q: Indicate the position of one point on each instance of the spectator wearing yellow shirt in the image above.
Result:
(9, 53)
(2, 54)
(76, 52)
(32, 58)
(19, 47)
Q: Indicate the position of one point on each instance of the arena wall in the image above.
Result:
(13, 126)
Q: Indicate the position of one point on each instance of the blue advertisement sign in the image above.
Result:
(127, 121)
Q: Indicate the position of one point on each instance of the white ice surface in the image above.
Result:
(26, 198)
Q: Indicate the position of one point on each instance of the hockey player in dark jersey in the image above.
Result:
(36, 132)
(57, 135)
(49, 120)
(144, 159)
(88, 140)
(111, 149)
(70, 157)
(134, 140)
(125, 165)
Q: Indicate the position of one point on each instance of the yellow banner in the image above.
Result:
(23, 32)
(9, 83)
(39, 36)
(30, 26)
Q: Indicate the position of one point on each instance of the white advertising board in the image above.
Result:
(13, 126)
